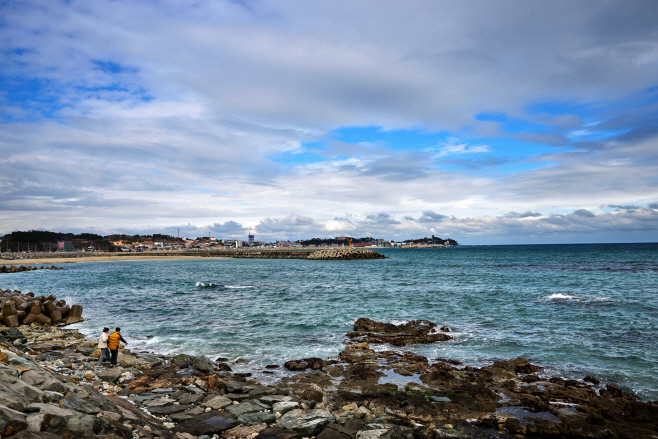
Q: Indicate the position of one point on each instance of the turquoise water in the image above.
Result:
(576, 309)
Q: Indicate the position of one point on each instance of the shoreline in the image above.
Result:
(357, 394)
(55, 260)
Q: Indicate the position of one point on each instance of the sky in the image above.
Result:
(506, 122)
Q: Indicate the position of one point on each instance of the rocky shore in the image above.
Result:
(51, 386)
(20, 268)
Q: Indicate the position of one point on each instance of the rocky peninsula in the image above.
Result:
(51, 386)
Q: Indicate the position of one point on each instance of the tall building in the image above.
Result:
(251, 239)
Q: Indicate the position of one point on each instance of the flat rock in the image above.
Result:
(74, 403)
(169, 410)
(109, 375)
(285, 406)
(217, 402)
(278, 433)
(257, 418)
(251, 406)
(189, 398)
(273, 399)
(307, 422)
(208, 423)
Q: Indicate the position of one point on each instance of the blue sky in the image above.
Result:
(513, 122)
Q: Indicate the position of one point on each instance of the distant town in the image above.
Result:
(44, 241)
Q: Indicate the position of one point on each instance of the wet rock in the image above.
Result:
(307, 422)
(303, 364)
(357, 352)
(412, 332)
(199, 363)
(591, 379)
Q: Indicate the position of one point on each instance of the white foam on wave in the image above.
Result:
(559, 297)
(202, 284)
(240, 286)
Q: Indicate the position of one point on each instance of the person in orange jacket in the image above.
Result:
(113, 344)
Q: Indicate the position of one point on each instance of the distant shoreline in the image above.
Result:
(55, 260)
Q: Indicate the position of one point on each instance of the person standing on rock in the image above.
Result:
(113, 344)
(102, 344)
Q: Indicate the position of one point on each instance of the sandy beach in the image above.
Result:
(43, 261)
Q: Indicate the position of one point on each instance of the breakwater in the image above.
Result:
(283, 253)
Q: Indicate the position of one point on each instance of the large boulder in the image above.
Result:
(63, 422)
(43, 380)
(307, 422)
(199, 363)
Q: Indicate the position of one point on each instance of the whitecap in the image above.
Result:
(240, 286)
(573, 298)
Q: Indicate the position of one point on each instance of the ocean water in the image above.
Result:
(575, 309)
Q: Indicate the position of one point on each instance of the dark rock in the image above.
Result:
(530, 379)
(272, 366)
(74, 403)
(611, 391)
(12, 420)
(34, 435)
(336, 431)
(251, 406)
(412, 332)
(189, 398)
(239, 397)
(234, 386)
(169, 410)
(13, 334)
(257, 418)
(591, 379)
(208, 423)
(278, 433)
(199, 363)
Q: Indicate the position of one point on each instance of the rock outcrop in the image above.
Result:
(412, 332)
(54, 389)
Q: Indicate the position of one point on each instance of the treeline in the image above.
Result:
(427, 240)
(42, 240)
(156, 237)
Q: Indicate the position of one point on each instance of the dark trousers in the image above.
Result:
(113, 358)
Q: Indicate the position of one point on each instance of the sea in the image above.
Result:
(576, 310)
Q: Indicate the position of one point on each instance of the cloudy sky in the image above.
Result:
(487, 122)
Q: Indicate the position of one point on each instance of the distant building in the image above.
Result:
(238, 243)
(251, 239)
(64, 246)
